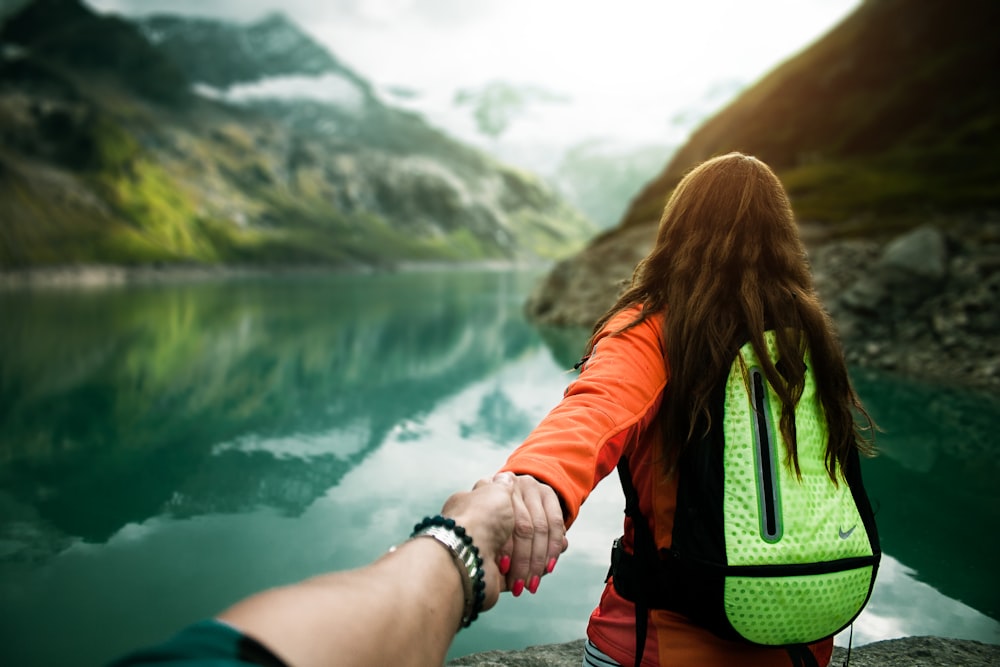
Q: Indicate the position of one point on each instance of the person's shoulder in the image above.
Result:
(626, 319)
(206, 643)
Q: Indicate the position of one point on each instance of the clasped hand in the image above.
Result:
(538, 539)
(521, 537)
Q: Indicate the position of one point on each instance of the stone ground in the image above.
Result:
(905, 652)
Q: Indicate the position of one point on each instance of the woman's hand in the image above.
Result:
(487, 514)
(539, 535)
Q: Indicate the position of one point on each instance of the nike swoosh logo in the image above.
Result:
(845, 534)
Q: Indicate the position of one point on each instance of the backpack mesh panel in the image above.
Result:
(818, 521)
(793, 610)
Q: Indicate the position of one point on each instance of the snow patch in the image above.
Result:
(208, 91)
(334, 89)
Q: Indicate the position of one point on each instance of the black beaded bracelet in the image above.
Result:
(466, 555)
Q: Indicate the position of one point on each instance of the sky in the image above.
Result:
(634, 69)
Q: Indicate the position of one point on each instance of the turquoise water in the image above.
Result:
(166, 450)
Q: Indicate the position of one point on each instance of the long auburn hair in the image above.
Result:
(728, 264)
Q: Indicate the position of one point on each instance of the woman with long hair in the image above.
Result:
(728, 265)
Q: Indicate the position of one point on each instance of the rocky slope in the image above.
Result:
(888, 116)
(923, 304)
(884, 125)
(107, 156)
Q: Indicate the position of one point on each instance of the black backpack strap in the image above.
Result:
(644, 557)
(801, 656)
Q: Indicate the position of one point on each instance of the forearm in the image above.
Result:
(401, 610)
(616, 396)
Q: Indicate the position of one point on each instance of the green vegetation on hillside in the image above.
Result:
(106, 157)
(890, 116)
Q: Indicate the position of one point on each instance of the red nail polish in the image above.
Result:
(533, 584)
(518, 588)
(551, 566)
(504, 564)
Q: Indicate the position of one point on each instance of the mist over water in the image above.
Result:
(166, 450)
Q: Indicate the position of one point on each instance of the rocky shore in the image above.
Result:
(85, 276)
(925, 304)
(905, 652)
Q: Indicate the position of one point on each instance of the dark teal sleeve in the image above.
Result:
(203, 644)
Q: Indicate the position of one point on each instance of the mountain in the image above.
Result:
(223, 54)
(116, 148)
(890, 120)
(548, 132)
(892, 113)
(497, 104)
(70, 35)
(601, 177)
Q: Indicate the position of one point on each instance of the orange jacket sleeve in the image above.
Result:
(616, 396)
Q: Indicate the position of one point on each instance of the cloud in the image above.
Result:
(374, 12)
(631, 65)
(629, 43)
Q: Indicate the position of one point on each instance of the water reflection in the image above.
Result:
(120, 405)
(191, 566)
(184, 446)
(934, 485)
(902, 605)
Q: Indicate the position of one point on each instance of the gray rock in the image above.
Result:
(866, 296)
(547, 655)
(905, 652)
(920, 254)
(909, 270)
(921, 652)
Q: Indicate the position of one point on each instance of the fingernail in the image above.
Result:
(533, 584)
(504, 564)
(551, 566)
(518, 588)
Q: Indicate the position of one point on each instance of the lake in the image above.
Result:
(168, 449)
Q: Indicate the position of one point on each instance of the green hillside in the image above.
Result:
(893, 115)
(107, 157)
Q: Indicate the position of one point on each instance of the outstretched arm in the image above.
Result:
(614, 400)
(403, 609)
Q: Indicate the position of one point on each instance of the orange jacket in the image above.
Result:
(605, 413)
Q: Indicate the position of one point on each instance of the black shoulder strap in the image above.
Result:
(645, 555)
(801, 656)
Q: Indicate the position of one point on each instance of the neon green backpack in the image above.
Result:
(758, 555)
